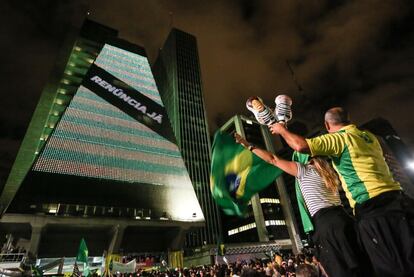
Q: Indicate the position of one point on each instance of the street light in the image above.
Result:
(410, 165)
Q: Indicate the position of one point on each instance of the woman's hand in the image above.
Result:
(241, 140)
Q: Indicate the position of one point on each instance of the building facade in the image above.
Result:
(178, 76)
(270, 217)
(75, 58)
(99, 159)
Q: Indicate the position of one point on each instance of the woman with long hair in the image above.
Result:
(334, 235)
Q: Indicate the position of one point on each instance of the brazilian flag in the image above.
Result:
(237, 174)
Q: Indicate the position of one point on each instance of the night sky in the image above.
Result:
(358, 54)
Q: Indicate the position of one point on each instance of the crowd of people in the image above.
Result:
(288, 266)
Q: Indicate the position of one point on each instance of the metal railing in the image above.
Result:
(12, 257)
(61, 209)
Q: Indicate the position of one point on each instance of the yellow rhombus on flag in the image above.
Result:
(237, 174)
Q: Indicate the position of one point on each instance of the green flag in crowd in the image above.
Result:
(237, 174)
(83, 257)
(37, 271)
(82, 252)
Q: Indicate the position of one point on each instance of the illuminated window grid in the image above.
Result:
(170, 166)
(194, 137)
(83, 54)
(269, 200)
(103, 160)
(253, 225)
(275, 222)
(133, 70)
(242, 229)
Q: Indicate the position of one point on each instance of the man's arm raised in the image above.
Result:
(296, 142)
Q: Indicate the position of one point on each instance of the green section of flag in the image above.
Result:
(82, 252)
(36, 271)
(303, 210)
(237, 174)
(83, 257)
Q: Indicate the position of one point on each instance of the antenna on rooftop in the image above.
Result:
(171, 19)
(300, 89)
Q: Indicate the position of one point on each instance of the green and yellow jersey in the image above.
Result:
(357, 157)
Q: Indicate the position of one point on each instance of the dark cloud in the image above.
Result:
(353, 53)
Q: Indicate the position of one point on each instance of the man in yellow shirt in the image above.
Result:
(384, 215)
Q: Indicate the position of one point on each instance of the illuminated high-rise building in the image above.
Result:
(71, 66)
(270, 215)
(178, 76)
(99, 159)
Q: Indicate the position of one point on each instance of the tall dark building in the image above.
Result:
(270, 216)
(178, 76)
(74, 60)
(99, 159)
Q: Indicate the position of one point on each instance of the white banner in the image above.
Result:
(124, 268)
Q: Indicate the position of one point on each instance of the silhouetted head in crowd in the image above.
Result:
(249, 272)
(305, 270)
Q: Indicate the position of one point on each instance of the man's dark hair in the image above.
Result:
(337, 116)
(237, 270)
(249, 272)
(306, 270)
